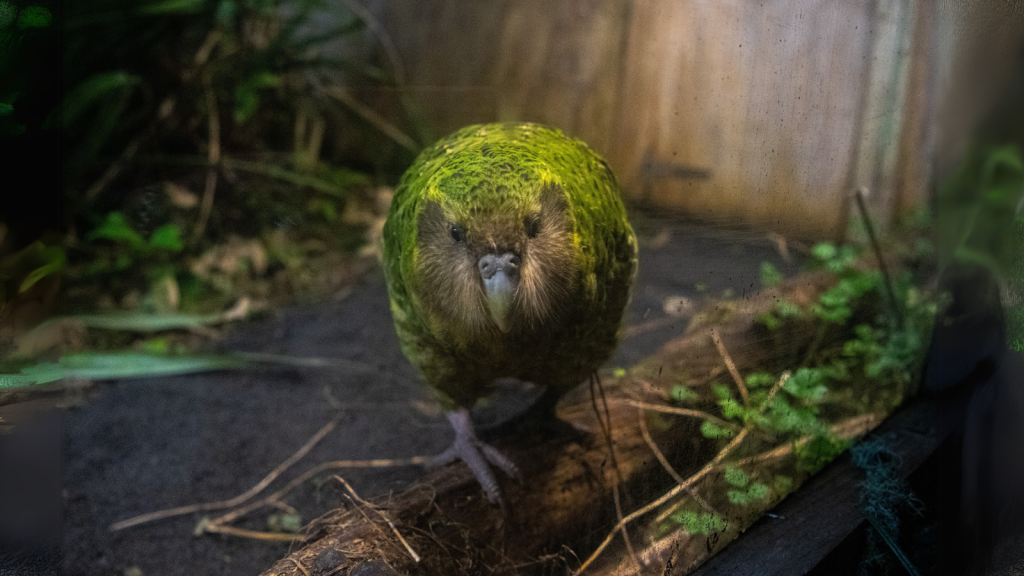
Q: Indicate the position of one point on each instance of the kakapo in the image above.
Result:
(507, 253)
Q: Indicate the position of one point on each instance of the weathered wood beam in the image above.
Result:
(564, 507)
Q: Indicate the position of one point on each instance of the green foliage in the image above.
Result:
(713, 431)
(681, 394)
(700, 523)
(116, 227)
(25, 34)
(783, 310)
(807, 383)
(821, 449)
(760, 379)
(258, 79)
(787, 309)
(20, 271)
(34, 17)
(770, 275)
(782, 484)
(979, 206)
(736, 477)
(756, 491)
(282, 522)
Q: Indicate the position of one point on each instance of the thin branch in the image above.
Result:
(238, 499)
(276, 496)
(665, 497)
(164, 111)
(664, 461)
(267, 536)
(775, 390)
(385, 39)
(606, 428)
(845, 430)
(375, 119)
(299, 565)
(213, 120)
(114, 169)
(731, 366)
(681, 412)
(813, 348)
(415, 556)
(896, 307)
(393, 57)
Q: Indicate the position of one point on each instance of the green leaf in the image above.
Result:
(770, 275)
(8, 12)
(172, 7)
(824, 251)
(37, 374)
(34, 17)
(133, 365)
(721, 390)
(739, 497)
(808, 383)
(759, 379)
(226, 11)
(736, 477)
(284, 523)
(682, 393)
(703, 523)
(819, 451)
(758, 491)
(787, 309)
(782, 484)
(142, 322)
(769, 320)
(167, 237)
(6, 109)
(731, 408)
(712, 431)
(116, 227)
(93, 90)
(38, 274)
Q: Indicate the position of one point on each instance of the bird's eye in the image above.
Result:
(457, 234)
(532, 224)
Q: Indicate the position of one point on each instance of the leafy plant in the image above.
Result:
(770, 275)
(981, 222)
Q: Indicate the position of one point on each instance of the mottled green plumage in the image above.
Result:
(498, 184)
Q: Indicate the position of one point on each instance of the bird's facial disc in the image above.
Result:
(500, 275)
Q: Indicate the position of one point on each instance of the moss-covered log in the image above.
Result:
(565, 508)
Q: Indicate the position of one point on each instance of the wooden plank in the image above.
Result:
(569, 480)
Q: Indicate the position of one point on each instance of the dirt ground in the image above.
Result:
(135, 446)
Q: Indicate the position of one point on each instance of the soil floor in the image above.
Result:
(129, 447)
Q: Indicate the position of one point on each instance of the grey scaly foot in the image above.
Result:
(476, 454)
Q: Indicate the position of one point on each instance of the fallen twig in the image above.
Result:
(681, 412)
(664, 461)
(731, 366)
(213, 118)
(415, 556)
(665, 497)
(327, 428)
(606, 428)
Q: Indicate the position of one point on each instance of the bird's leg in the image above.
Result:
(476, 454)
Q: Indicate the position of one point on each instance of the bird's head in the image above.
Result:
(495, 250)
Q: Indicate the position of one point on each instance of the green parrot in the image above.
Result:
(507, 253)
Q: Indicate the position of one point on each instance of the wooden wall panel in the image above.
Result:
(765, 114)
(764, 96)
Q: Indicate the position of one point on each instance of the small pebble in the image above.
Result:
(328, 560)
(373, 568)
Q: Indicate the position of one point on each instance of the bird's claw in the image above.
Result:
(476, 454)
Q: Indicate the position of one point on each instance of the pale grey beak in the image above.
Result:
(500, 274)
